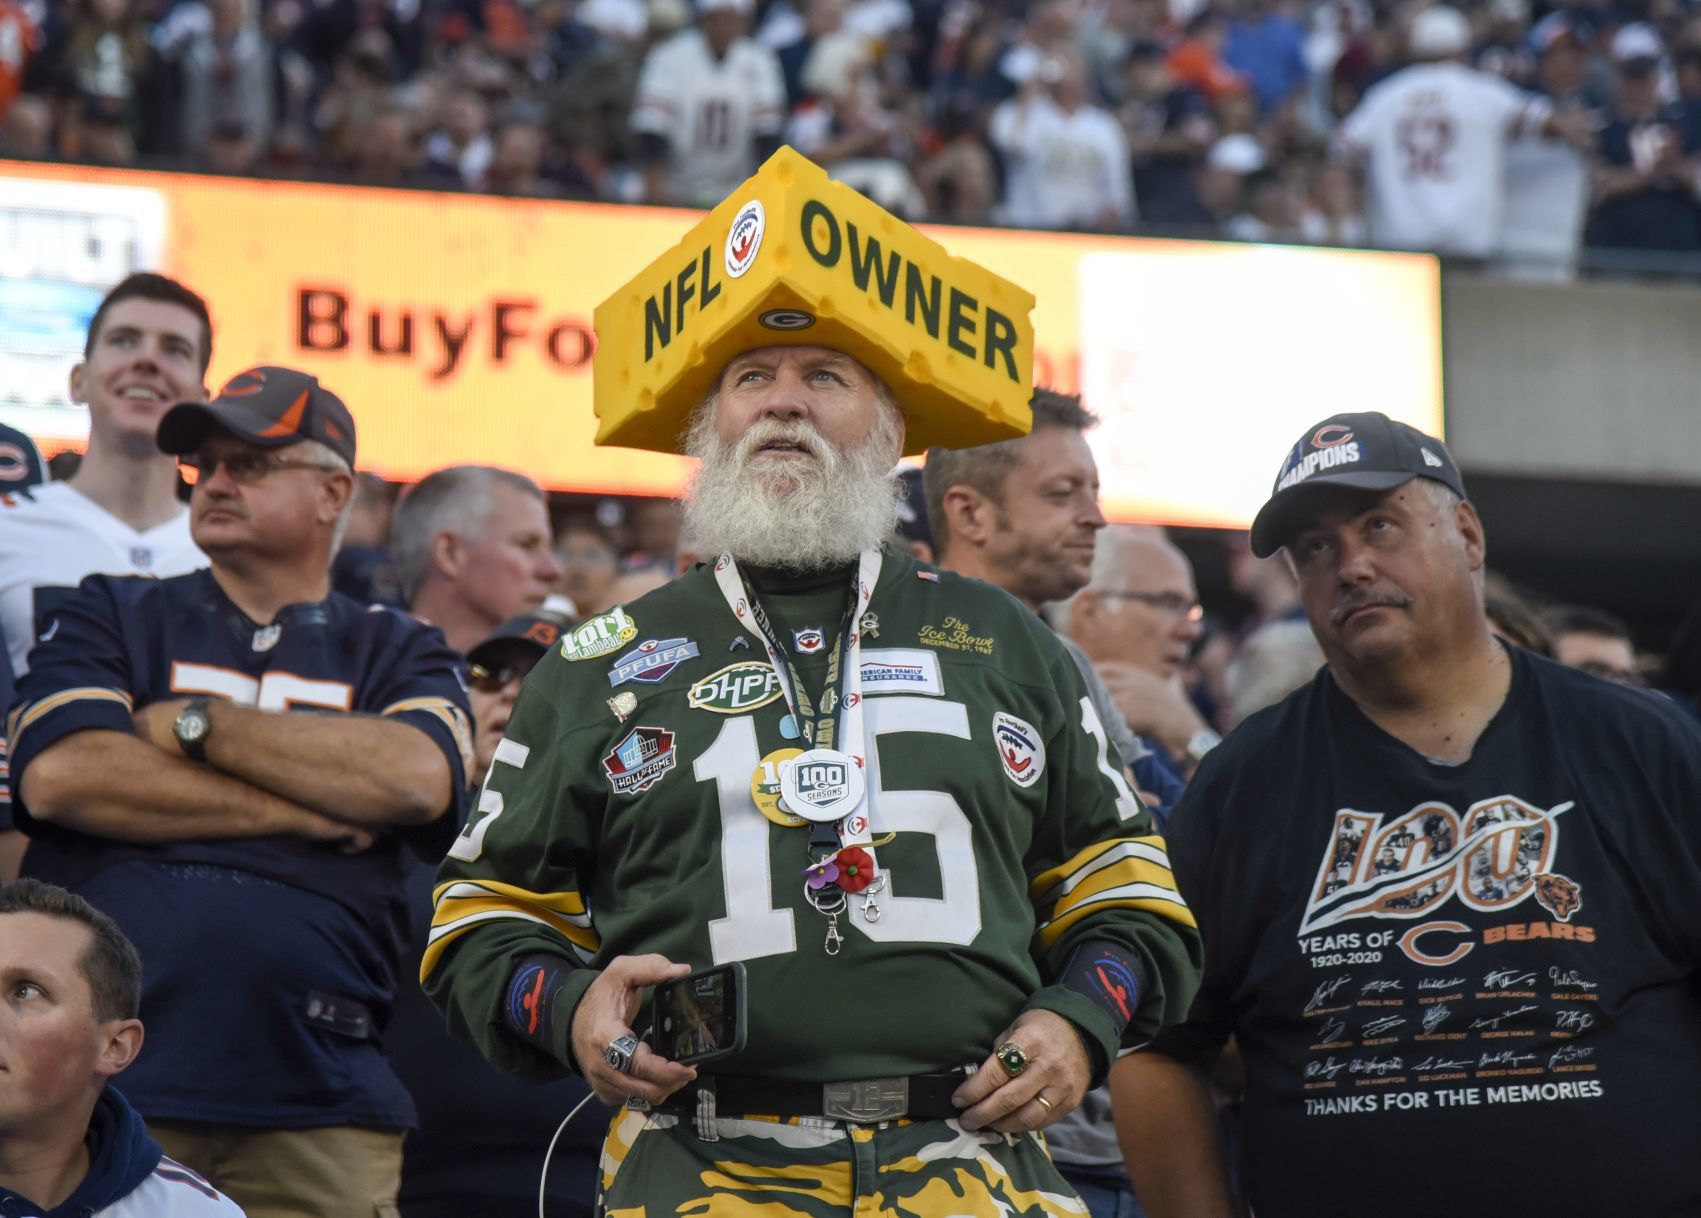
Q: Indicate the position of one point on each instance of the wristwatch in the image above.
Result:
(619, 1052)
(1200, 743)
(192, 728)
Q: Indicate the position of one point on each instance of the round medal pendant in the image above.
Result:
(765, 788)
(822, 785)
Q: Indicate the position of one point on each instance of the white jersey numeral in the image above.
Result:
(753, 927)
(470, 844)
(1127, 804)
(275, 691)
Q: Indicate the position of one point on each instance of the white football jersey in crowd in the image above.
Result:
(52, 536)
(1063, 170)
(1434, 136)
(171, 1191)
(709, 110)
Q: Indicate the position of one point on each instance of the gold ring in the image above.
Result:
(1011, 1056)
(1043, 1102)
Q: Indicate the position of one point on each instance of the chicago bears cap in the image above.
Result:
(1367, 451)
(267, 406)
(20, 461)
(524, 635)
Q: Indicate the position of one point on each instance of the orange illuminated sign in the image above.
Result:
(458, 328)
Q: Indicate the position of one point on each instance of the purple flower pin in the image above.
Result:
(821, 874)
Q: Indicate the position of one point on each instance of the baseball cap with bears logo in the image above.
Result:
(1366, 451)
(269, 407)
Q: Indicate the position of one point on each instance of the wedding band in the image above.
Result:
(1043, 1102)
(1011, 1056)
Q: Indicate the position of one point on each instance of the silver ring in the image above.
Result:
(620, 1052)
(1043, 1103)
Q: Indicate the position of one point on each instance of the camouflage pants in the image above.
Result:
(655, 1165)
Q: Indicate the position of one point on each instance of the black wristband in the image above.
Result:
(529, 1008)
(1107, 975)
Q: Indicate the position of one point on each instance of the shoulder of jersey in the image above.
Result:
(22, 499)
(176, 1190)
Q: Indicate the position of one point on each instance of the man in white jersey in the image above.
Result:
(1432, 138)
(148, 348)
(1068, 159)
(710, 107)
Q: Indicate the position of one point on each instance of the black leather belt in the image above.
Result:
(920, 1097)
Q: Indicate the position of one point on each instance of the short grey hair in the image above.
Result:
(321, 453)
(456, 499)
(1275, 660)
(1109, 548)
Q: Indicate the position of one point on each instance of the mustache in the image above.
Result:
(780, 431)
(1364, 598)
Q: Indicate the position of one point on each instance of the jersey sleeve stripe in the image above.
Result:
(443, 935)
(452, 716)
(570, 904)
(1059, 882)
(29, 712)
(1166, 903)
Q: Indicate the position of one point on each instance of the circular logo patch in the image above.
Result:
(765, 788)
(1020, 749)
(786, 319)
(744, 238)
(822, 785)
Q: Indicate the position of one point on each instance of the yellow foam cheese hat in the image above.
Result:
(793, 257)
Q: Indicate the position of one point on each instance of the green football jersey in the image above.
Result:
(619, 819)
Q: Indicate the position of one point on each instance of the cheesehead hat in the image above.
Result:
(794, 258)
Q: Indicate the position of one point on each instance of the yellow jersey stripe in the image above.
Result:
(1129, 871)
(31, 711)
(1056, 883)
(441, 937)
(1167, 905)
(568, 902)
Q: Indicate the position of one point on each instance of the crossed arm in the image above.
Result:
(333, 778)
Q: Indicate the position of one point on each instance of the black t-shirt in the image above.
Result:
(1656, 217)
(1462, 990)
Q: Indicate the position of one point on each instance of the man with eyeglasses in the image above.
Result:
(232, 763)
(1137, 619)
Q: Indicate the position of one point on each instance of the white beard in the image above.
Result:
(787, 512)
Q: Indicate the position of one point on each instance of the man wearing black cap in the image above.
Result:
(1446, 889)
(229, 763)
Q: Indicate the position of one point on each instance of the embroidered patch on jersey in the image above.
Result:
(931, 577)
(1105, 974)
(739, 643)
(266, 638)
(638, 762)
(141, 558)
(531, 993)
(901, 670)
(953, 634)
(623, 704)
(808, 640)
(599, 636)
(736, 688)
(653, 660)
(1020, 749)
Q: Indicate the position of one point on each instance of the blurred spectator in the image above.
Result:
(589, 564)
(1267, 583)
(104, 136)
(1433, 139)
(230, 149)
(1332, 213)
(1513, 619)
(1219, 184)
(1266, 45)
(914, 532)
(821, 18)
(653, 526)
(710, 108)
(1170, 128)
(516, 162)
(1066, 159)
(460, 148)
(471, 547)
(1274, 660)
(224, 66)
(959, 179)
(20, 39)
(1137, 620)
(1272, 210)
(1648, 173)
(27, 130)
(1595, 641)
(1197, 61)
(102, 67)
(363, 568)
(386, 153)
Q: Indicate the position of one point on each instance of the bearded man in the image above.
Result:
(946, 944)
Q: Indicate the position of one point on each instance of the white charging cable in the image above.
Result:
(543, 1178)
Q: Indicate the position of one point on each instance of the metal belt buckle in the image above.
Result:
(866, 1100)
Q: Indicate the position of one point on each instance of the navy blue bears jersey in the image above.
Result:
(270, 964)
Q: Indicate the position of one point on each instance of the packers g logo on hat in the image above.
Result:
(794, 258)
